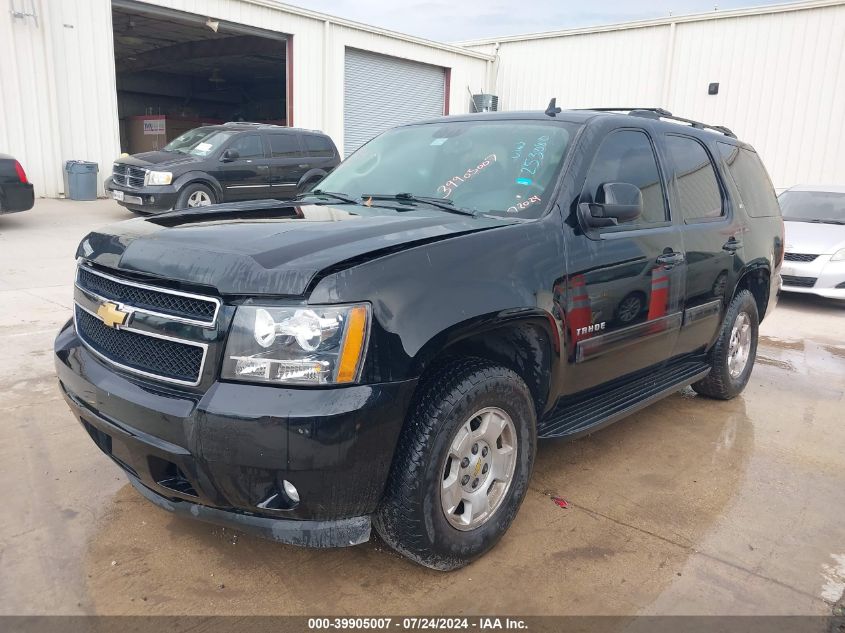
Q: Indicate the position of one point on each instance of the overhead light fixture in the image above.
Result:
(212, 24)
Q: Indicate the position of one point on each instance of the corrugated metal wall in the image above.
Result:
(57, 78)
(57, 95)
(781, 76)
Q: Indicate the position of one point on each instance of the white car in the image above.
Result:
(814, 218)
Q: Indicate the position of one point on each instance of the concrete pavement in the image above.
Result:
(690, 507)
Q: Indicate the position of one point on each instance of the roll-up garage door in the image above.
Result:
(381, 92)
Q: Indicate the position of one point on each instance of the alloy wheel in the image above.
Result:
(479, 468)
(739, 346)
(199, 199)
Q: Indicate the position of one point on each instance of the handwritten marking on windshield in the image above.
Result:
(450, 185)
(524, 204)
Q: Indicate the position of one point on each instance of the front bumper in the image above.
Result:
(222, 456)
(828, 276)
(144, 199)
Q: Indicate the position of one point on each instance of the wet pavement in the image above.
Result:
(691, 506)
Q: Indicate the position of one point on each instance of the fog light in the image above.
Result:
(290, 491)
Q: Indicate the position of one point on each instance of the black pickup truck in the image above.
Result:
(386, 350)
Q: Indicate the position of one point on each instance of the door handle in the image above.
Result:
(732, 245)
(670, 259)
(263, 166)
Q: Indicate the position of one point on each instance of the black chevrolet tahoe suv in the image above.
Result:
(387, 349)
(222, 163)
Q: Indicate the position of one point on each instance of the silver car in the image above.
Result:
(814, 218)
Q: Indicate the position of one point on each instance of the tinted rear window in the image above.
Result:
(319, 146)
(284, 146)
(695, 179)
(755, 188)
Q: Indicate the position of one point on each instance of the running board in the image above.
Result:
(578, 415)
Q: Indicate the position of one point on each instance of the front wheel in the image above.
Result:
(195, 195)
(732, 357)
(462, 465)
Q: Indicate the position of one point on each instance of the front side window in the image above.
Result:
(626, 156)
(498, 167)
(695, 179)
(284, 146)
(755, 188)
(200, 141)
(248, 146)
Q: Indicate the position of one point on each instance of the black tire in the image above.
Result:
(410, 517)
(182, 202)
(720, 384)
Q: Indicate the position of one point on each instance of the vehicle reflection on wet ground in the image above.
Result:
(690, 506)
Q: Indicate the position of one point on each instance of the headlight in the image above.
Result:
(838, 256)
(158, 178)
(311, 345)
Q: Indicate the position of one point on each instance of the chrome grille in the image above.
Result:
(799, 257)
(164, 335)
(141, 353)
(127, 175)
(182, 306)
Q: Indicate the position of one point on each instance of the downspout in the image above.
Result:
(667, 69)
(493, 70)
(327, 25)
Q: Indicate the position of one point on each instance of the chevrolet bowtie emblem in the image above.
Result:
(111, 315)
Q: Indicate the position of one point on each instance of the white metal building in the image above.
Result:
(75, 75)
(780, 71)
(73, 71)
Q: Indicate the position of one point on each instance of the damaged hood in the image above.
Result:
(267, 247)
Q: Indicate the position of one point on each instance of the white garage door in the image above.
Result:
(381, 92)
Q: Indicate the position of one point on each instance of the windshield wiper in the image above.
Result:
(440, 203)
(341, 197)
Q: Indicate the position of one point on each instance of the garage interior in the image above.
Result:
(176, 71)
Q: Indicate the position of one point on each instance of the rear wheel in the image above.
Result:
(195, 195)
(732, 357)
(462, 466)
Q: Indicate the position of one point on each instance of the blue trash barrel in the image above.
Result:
(81, 180)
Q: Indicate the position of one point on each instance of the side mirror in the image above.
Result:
(229, 155)
(615, 202)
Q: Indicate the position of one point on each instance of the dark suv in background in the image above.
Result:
(223, 163)
(388, 349)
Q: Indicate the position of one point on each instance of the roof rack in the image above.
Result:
(660, 113)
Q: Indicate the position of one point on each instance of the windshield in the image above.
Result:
(809, 206)
(200, 141)
(499, 167)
